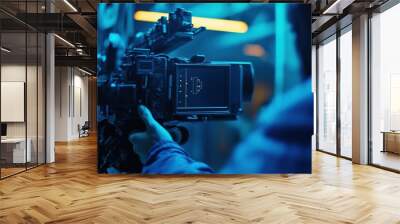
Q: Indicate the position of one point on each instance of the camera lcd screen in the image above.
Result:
(202, 87)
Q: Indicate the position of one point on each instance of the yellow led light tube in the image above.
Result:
(224, 25)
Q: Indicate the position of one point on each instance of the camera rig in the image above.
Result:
(174, 89)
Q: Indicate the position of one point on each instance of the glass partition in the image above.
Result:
(14, 143)
(22, 89)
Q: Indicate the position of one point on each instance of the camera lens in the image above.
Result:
(248, 81)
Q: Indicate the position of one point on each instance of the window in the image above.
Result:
(385, 89)
(346, 93)
(327, 96)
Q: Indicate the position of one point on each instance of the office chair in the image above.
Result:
(84, 130)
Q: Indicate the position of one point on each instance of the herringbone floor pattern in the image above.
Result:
(70, 191)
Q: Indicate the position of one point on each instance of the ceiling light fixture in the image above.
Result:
(5, 50)
(337, 7)
(84, 71)
(70, 5)
(65, 41)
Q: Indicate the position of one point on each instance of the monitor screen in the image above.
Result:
(203, 87)
(3, 129)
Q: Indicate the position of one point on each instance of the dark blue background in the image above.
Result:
(279, 34)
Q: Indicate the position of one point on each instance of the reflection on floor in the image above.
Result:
(71, 191)
(8, 170)
(346, 152)
(387, 159)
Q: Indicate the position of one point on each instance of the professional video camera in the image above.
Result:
(176, 89)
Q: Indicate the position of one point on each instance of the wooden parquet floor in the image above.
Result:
(70, 191)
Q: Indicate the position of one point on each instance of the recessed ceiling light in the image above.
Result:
(70, 5)
(65, 41)
(84, 71)
(337, 7)
(5, 50)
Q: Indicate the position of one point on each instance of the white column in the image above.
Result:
(360, 90)
(50, 99)
(50, 92)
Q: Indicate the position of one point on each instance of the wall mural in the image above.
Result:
(204, 88)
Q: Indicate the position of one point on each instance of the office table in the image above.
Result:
(13, 150)
(391, 141)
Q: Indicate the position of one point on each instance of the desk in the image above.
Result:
(13, 150)
(391, 141)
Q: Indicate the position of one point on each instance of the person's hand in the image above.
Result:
(155, 132)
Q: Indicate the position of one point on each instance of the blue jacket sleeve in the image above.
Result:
(281, 140)
(167, 157)
(280, 143)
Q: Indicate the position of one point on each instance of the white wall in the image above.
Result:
(80, 102)
(16, 72)
(61, 103)
(71, 102)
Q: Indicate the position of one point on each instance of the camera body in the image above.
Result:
(175, 89)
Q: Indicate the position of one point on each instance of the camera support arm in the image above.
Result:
(169, 34)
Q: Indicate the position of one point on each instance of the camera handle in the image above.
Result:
(180, 134)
